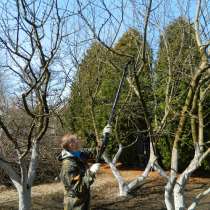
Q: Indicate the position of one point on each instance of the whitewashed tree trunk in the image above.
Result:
(176, 188)
(182, 180)
(33, 164)
(198, 198)
(169, 200)
(23, 183)
(152, 164)
(27, 178)
(138, 181)
(179, 201)
(123, 188)
(24, 195)
(24, 191)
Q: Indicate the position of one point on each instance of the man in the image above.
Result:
(75, 174)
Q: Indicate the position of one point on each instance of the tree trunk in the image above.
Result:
(169, 196)
(179, 201)
(169, 188)
(183, 179)
(24, 195)
(152, 164)
(27, 178)
(179, 197)
(198, 198)
(123, 188)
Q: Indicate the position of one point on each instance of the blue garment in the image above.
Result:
(82, 155)
(79, 154)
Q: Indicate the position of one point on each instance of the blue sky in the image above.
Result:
(110, 27)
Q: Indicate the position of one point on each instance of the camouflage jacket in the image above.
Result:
(75, 174)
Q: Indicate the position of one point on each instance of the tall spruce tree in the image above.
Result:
(177, 57)
(131, 118)
(93, 92)
(86, 84)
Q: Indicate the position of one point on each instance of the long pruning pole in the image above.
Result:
(112, 114)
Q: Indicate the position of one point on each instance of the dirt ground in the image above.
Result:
(150, 196)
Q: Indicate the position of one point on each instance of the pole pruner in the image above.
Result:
(106, 135)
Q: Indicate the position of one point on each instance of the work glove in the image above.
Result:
(95, 168)
(107, 129)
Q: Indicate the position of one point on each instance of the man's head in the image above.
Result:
(70, 142)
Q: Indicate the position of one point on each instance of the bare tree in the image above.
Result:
(198, 84)
(193, 105)
(31, 37)
(133, 81)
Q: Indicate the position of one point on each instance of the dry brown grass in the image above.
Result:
(104, 194)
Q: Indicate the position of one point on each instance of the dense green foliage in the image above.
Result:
(178, 56)
(97, 79)
(93, 92)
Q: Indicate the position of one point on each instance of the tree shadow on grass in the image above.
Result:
(141, 199)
